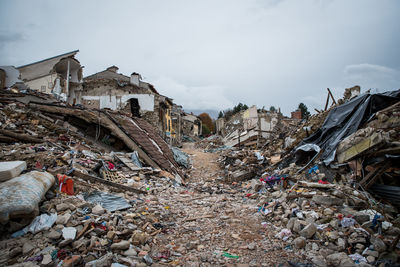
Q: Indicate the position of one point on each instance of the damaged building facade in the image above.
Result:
(248, 127)
(59, 75)
(109, 89)
(191, 125)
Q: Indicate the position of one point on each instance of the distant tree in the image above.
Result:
(205, 130)
(228, 113)
(239, 107)
(272, 109)
(206, 120)
(304, 111)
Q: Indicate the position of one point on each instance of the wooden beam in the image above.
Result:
(327, 100)
(95, 179)
(22, 137)
(316, 185)
(330, 93)
(101, 119)
(7, 139)
(371, 177)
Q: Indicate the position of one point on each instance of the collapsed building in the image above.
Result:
(109, 89)
(191, 125)
(59, 75)
(252, 127)
(62, 76)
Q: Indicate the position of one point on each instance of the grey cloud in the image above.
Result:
(10, 37)
(215, 54)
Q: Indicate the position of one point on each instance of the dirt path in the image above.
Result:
(211, 218)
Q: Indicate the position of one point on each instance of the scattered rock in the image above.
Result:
(53, 234)
(122, 245)
(378, 244)
(63, 219)
(309, 230)
(46, 259)
(251, 246)
(130, 253)
(98, 210)
(299, 242)
(72, 261)
(340, 259)
(62, 207)
(327, 200)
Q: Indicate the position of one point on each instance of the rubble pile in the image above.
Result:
(86, 233)
(240, 165)
(70, 200)
(211, 143)
(329, 224)
(343, 214)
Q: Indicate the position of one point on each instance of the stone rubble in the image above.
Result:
(236, 207)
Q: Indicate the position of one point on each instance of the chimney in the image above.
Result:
(135, 77)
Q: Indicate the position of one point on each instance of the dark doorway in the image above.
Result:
(135, 108)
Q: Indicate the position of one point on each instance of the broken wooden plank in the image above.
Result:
(371, 175)
(378, 172)
(102, 181)
(327, 101)
(316, 185)
(200, 217)
(330, 93)
(7, 139)
(22, 137)
(362, 146)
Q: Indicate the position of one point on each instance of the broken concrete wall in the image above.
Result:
(220, 126)
(191, 125)
(251, 125)
(42, 75)
(120, 102)
(43, 84)
(9, 76)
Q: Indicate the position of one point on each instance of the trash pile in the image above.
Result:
(212, 143)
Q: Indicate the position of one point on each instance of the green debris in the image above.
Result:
(228, 255)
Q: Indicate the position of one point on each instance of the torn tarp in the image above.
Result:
(181, 157)
(346, 119)
(108, 201)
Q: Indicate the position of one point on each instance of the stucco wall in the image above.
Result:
(43, 81)
(115, 102)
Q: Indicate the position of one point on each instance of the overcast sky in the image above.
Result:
(215, 54)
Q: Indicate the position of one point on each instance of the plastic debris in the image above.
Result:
(228, 255)
(69, 233)
(135, 159)
(108, 201)
(181, 157)
(347, 222)
(284, 234)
